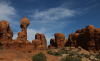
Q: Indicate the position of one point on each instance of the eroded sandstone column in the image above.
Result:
(40, 41)
(22, 36)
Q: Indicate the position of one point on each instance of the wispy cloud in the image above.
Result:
(53, 17)
(53, 14)
(90, 7)
(52, 20)
(7, 12)
(91, 1)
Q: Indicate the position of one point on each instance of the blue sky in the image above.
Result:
(50, 16)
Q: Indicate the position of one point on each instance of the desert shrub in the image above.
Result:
(39, 57)
(86, 55)
(79, 55)
(70, 49)
(71, 59)
(94, 60)
(71, 54)
(1, 47)
(82, 54)
(64, 52)
(63, 48)
(57, 53)
(54, 53)
(98, 56)
(50, 52)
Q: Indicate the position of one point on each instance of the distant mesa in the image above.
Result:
(88, 38)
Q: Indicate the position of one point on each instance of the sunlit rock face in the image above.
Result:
(21, 43)
(6, 33)
(40, 41)
(59, 40)
(88, 38)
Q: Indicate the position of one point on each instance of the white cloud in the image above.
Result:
(7, 12)
(53, 14)
(90, 7)
(91, 1)
(86, 8)
(52, 18)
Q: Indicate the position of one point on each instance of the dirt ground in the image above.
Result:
(13, 55)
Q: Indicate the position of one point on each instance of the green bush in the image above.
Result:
(71, 54)
(98, 56)
(57, 53)
(79, 55)
(50, 52)
(70, 49)
(87, 56)
(71, 59)
(1, 47)
(82, 54)
(39, 57)
(63, 48)
(64, 52)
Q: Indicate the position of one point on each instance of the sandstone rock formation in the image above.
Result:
(22, 36)
(40, 41)
(59, 40)
(87, 38)
(21, 43)
(6, 33)
(52, 43)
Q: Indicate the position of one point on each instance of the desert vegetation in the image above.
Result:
(72, 56)
(39, 57)
(1, 47)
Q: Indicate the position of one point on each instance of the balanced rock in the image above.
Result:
(21, 43)
(22, 36)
